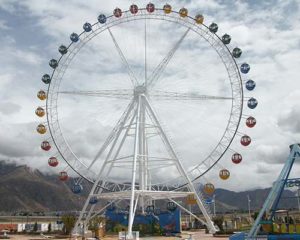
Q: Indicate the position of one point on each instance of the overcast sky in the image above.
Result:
(268, 32)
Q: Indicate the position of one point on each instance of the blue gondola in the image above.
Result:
(157, 211)
(250, 85)
(74, 37)
(87, 27)
(46, 78)
(150, 209)
(63, 49)
(171, 206)
(213, 27)
(53, 63)
(111, 207)
(245, 68)
(93, 200)
(226, 39)
(236, 52)
(252, 103)
(77, 188)
(102, 18)
(209, 201)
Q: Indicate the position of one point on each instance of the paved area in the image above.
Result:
(199, 235)
(185, 235)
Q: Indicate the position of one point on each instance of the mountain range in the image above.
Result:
(25, 189)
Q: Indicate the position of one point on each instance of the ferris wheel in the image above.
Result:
(143, 103)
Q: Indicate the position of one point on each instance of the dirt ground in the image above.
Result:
(185, 235)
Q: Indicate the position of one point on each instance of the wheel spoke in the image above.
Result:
(186, 96)
(124, 61)
(119, 94)
(162, 66)
(145, 52)
(114, 133)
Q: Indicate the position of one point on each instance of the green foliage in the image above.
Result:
(255, 215)
(95, 223)
(69, 223)
(219, 222)
(119, 227)
(49, 227)
(35, 227)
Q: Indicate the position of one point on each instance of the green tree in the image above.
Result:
(219, 222)
(69, 223)
(35, 227)
(49, 227)
(255, 215)
(95, 223)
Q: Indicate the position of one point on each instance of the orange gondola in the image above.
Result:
(224, 174)
(40, 112)
(209, 188)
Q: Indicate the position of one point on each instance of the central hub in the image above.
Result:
(138, 90)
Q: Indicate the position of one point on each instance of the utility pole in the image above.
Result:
(249, 209)
(214, 199)
(298, 198)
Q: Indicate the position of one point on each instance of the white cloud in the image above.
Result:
(8, 108)
(270, 43)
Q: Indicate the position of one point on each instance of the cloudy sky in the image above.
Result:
(268, 32)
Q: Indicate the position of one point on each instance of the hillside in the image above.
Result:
(22, 188)
(239, 200)
(25, 189)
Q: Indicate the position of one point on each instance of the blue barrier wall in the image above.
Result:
(238, 236)
(169, 221)
(284, 237)
(242, 236)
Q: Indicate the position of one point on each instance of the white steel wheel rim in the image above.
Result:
(223, 51)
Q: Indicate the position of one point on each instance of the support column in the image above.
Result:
(136, 157)
(96, 186)
(272, 200)
(180, 168)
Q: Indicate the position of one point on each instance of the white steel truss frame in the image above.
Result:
(141, 193)
(223, 51)
(134, 118)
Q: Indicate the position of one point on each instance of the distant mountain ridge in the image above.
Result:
(25, 189)
(22, 188)
(239, 200)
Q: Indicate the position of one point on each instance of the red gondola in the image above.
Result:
(251, 122)
(45, 145)
(53, 162)
(245, 140)
(117, 12)
(150, 7)
(236, 158)
(63, 176)
(134, 9)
